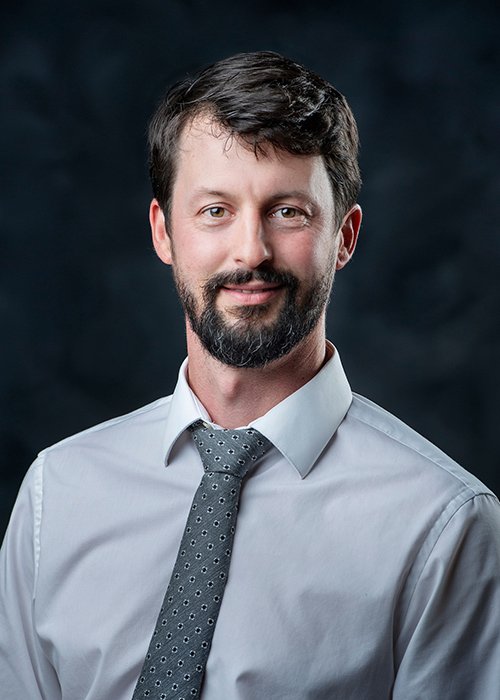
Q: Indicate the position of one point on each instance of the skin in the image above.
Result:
(234, 211)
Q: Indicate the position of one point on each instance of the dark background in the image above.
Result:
(90, 327)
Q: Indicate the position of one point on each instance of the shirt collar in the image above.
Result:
(300, 426)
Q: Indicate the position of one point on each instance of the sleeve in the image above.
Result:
(24, 672)
(449, 645)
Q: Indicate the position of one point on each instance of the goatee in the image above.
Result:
(250, 341)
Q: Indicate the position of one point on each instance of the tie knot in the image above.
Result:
(228, 451)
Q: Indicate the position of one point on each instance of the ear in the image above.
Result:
(348, 236)
(161, 239)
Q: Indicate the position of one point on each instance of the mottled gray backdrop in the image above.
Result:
(90, 327)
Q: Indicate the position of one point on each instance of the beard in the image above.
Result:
(249, 341)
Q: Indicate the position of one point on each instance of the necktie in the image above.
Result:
(175, 663)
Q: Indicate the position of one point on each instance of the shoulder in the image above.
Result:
(388, 441)
(119, 435)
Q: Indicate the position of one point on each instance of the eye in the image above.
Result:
(215, 212)
(287, 213)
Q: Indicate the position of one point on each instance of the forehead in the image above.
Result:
(210, 156)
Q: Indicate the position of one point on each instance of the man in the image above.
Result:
(365, 563)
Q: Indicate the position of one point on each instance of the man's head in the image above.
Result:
(264, 99)
(255, 178)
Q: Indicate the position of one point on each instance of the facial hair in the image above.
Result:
(250, 341)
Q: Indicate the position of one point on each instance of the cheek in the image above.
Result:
(309, 258)
(196, 260)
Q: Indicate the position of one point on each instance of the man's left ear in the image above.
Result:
(348, 235)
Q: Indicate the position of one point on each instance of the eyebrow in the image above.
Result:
(284, 194)
(298, 194)
(200, 191)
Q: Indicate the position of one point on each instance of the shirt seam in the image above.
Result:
(109, 423)
(473, 491)
(472, 496)
(37, 517)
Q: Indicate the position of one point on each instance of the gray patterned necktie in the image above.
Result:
(175, 663)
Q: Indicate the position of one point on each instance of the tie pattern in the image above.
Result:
(175, 663)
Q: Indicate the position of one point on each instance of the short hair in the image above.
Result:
(262, 98)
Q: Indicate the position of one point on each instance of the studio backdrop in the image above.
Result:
(90, 324)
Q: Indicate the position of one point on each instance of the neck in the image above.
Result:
(235, 396)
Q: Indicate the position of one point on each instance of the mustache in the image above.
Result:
(264, 274)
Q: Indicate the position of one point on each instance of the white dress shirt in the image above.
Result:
(366, 563)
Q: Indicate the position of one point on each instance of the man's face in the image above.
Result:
(252, 243)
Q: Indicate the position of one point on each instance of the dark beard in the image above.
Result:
(250, 342)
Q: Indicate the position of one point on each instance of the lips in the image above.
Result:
(252, 294)
(252, 288)
(248, 287)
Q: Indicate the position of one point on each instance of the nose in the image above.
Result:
(251, 245)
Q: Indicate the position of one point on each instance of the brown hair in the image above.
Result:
(262, 98)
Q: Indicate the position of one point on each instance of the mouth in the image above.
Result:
(251, 294)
